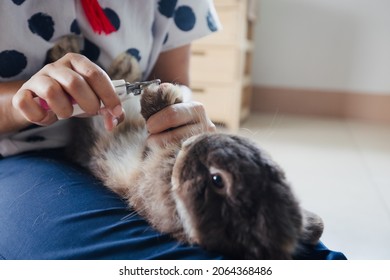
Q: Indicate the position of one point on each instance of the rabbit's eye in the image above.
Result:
(217, 181)
(220, 180)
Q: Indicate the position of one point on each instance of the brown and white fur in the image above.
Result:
(217, 190)
(220, 191)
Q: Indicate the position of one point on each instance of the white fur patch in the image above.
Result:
(186, 219)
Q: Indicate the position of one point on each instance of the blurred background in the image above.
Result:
(309, 80)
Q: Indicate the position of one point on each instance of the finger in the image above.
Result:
(110, 121)
(24, 101)
(74, 85)
(52, 93)
(179, 134)
(98, 81)
(177, 115)
(178, 122)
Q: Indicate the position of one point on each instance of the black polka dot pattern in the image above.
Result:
(12, 63)
(185, 18)
(211, 22)
(75, 28)
(91, 50)
(18, 2)
(167, 7)
(113, 18)
(42, 25)
(171, 24)
(166, 39)
(134, 52)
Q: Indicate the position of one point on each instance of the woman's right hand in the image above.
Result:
(72, 77)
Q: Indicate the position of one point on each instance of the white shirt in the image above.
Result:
(143, 28)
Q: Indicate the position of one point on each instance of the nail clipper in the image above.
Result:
(123, 89)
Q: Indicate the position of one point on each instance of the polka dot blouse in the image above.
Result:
(143, 29)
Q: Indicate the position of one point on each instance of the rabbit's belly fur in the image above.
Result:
(140, 174)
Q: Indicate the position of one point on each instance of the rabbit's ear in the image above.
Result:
(313, 228)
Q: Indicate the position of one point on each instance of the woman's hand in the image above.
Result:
(181, 120)
(177, 122)
(71, 77)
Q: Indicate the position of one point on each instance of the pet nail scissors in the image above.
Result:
(123, 89)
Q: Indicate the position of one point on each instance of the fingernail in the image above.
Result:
(115, 122)
(102, 111)
(117, 111)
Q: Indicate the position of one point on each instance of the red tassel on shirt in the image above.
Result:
(96, 17)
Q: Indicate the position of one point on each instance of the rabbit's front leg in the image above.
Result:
(156, 97)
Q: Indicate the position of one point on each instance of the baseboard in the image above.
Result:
(369, 107)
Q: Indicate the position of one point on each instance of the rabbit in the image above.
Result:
(220, 191)
(217, 190)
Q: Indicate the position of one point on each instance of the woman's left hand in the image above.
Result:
(181, 120)
(178, 122)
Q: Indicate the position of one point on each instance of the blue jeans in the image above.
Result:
(53, 209)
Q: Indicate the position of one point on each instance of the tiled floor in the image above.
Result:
(339, 169)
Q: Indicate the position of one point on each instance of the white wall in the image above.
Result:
(323, 44)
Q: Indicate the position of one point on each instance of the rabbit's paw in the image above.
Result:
(156, 97)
